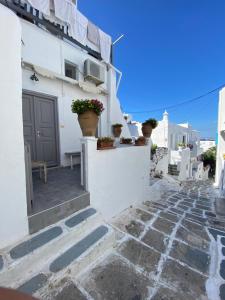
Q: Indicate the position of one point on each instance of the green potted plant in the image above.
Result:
(126, 141)
(148, 126)
(153, 149)
(181, 146)
(141, 141)
(105, 143)
(88, 114)
(117, 129)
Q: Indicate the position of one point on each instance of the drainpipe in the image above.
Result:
(112, 87)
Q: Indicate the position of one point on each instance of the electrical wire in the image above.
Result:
(178, 104)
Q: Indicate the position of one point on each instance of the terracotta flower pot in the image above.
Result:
(105, 145)
(146, 130)
(88, 123)
(117, 131)
(140, 142)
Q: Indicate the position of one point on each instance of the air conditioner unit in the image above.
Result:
(94, 72)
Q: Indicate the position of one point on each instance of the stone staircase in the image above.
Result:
(172, 170)
(68, 246)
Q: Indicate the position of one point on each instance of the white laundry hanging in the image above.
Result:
(42, 5)
(105, 46)
(93, 33)
(64, 10)
(78, 27)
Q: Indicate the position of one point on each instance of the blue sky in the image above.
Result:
(173, 50)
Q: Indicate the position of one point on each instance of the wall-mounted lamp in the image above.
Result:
(34, 77)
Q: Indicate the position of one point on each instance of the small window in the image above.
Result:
(71, 70)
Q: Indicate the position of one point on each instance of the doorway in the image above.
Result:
(40, 127)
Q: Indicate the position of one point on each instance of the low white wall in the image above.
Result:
(13, 205)
(182, 159)
(185, 164)
(162, 165)
(117, 178)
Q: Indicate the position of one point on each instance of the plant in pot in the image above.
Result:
(153, 149)
(117, 129)
(148, 126)
(141, 141)
(105, 143)
(88, 115)
(181, 146)
(126, 141)
(190, 146)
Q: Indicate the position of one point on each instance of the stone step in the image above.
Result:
(74, 260)
(31, 254)
(54, 214)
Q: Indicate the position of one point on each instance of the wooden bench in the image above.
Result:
(71, 155)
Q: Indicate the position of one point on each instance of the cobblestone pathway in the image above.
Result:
(172, 249)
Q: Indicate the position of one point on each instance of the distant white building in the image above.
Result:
(169, 135)
(220, 162)
(179, 162)
(206, 144)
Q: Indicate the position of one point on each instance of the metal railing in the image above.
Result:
(34, 16)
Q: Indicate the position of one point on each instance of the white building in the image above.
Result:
(206, 144)
(220, 162)
(182, 163)
(170, 135)
(42, 71)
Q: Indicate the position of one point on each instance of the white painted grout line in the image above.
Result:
(164, 257)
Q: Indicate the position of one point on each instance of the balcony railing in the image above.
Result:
(32, 15)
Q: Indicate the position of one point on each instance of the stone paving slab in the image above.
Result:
(169, 216)
(70, 292)
(155, 239)
(192, 239)
(196, 218)
(35, 242)
(168, 294)
(1, 263)
(74, 252)
(135, 228)
(143, 216)
(222, 292)
(34, 284)
(197, 229)
(79, 218)
(197, 211)
(140, 255)
(184, 280)
(164, 225)
(116, 280)
(193, 257)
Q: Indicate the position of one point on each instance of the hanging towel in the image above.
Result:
(105, 45)
(78, 27)
(93, 34)
(64, 10)
(41, 5)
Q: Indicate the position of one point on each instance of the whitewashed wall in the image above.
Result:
(182, 159)
(49, 52)
(221, 138)
(116, 178)
(162, 165)
(13, 206)
(206, 145)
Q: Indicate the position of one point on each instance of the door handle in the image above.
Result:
(38, 133)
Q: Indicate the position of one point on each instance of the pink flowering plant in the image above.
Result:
(81, 106)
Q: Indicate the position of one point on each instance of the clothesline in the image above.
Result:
(79, 27)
